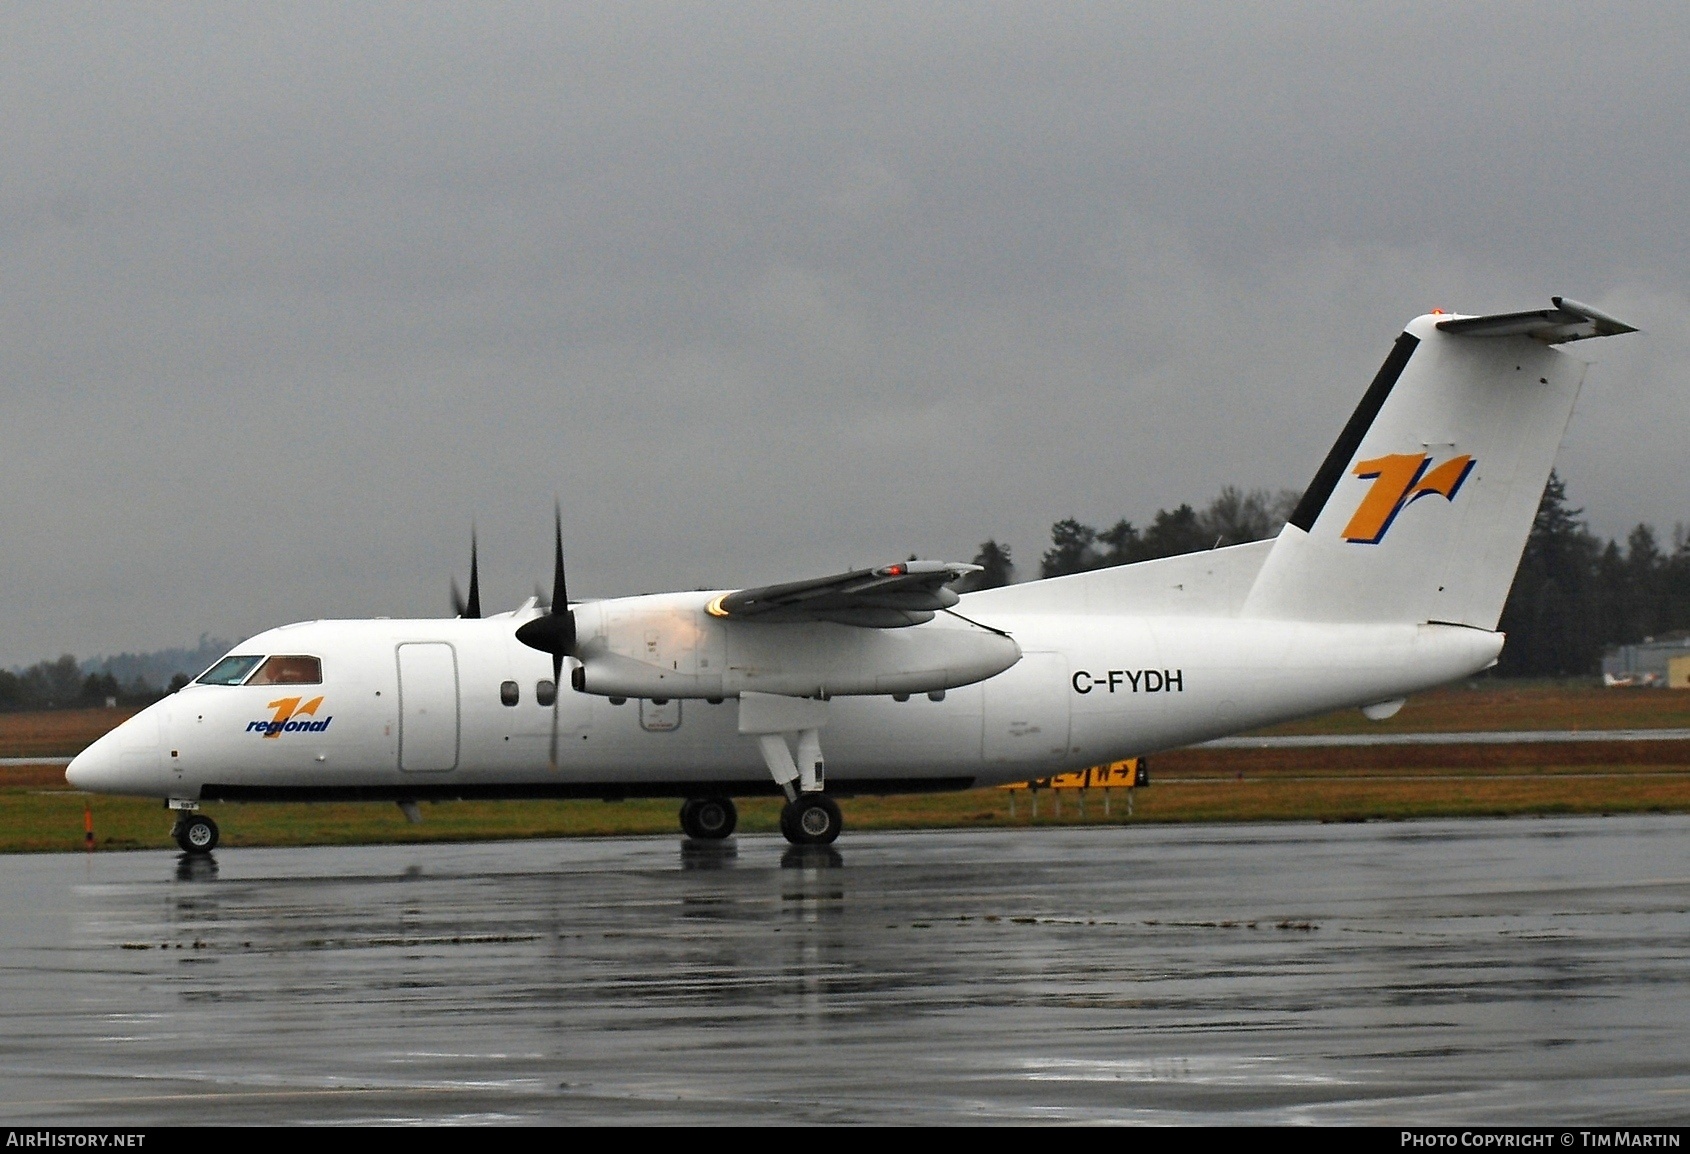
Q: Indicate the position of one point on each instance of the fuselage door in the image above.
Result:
(1025, 710)
(428, 707)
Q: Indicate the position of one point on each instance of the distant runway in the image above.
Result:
(1491, 737)
(1525, 970)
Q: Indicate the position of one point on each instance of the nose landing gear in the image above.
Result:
(195, 833)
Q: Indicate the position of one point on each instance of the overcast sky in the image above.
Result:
(291, 293)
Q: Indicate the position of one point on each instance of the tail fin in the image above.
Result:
(1421, 510)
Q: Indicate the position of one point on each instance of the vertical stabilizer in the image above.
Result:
(1421, 510)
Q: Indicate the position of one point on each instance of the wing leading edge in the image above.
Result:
(890, 597)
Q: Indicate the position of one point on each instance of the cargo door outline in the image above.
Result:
(430, 720)
(660, 718)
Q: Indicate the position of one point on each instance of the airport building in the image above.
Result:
(1654, 662)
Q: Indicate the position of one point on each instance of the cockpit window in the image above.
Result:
(229, 671)
(289, 671)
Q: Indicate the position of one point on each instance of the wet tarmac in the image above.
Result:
(1502, 971)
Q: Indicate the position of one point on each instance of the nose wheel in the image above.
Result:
(195, 833)
(813, 819)
(709, 818)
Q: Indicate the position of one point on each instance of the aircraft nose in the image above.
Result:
(95, 768)
(126, 760)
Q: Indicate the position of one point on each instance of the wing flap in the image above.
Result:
(890, 597)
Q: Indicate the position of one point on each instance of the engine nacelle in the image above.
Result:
(667, 646)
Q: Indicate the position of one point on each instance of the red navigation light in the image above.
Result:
(894, 570)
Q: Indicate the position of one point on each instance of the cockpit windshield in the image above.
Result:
(292, 669)
(229, 671)
(289, 671)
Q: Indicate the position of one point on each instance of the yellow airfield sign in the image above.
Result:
(1115, 775)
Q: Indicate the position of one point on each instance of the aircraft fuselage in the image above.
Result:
(1086, 690)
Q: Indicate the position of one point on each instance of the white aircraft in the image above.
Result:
(1389, 579)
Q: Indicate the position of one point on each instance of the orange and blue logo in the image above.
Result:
(291, 717)
(1399, 480)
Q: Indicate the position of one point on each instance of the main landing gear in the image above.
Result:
(784, 726)
(709, 818)
(812, 819)
(195, 833)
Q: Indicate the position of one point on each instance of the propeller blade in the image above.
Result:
(553, 631)
(560, 595)
(557, 692)
(473, 609)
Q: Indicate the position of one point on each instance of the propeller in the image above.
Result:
(472, 607)
(553, 631)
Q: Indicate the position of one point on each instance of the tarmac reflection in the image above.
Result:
(811, 857)
(196, 867)
(1433, 973)
(697, 854)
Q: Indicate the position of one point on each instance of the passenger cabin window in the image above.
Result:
(289, 671)
(510, 693)
(229, 671)
(545, 693)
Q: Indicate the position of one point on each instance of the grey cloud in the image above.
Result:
(289, 294)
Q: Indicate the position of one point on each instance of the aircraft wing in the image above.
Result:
(890, 597)
(1567, 321)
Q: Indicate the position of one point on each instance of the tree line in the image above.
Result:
(1573, 596)
(126, 679)
(1233, 518)
(62, 684)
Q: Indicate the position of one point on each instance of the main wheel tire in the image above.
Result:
(709, 818)
(196, 833)
(813, 819)
(716, 817)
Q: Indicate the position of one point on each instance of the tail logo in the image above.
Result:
(1399, 480)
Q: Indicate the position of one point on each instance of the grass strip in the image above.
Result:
(51, 820)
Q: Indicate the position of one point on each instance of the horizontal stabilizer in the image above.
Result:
(1567, 321)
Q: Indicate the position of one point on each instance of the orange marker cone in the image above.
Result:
(88, 825)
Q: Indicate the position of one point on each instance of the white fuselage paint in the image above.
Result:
(1089, 688)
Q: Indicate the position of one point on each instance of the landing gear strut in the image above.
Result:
(709, 818)
(195, 833)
